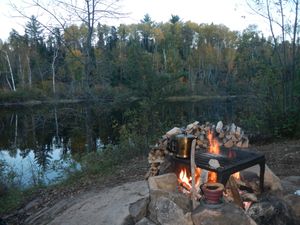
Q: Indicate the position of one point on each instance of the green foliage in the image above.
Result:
(22, 96)
(10, 195)
(285, 124)
(11, 200)
(8, 176)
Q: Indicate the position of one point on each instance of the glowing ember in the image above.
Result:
(212, 177)
(247, 205)
(231, 154)
(237, 175)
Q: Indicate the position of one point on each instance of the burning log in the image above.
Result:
(185, 186)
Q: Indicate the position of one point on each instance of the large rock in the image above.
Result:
(108, 206)
(227, 214)
(271, 181)
(164, 195)
(291, 189)
(167, 212)
(271, 210)
(145, 221)
(180, 199)
(138, 209)
(290, 184)
(294, 202)
(165, 182)
(166, 185)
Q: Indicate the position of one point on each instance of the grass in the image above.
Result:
(13, 198)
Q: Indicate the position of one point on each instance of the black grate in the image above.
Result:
(231, 161)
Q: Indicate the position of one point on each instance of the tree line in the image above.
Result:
(151, 59)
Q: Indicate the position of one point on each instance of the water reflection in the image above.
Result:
(48, 138)
(32, 140)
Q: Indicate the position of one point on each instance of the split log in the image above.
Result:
(219, 126)
(174, 131)
(232, 129)
(245, 142)
(238, 132)
(235, 193)
(156, 155)
(239, 144)
(228, 144)
(222, 134)
(192, 126)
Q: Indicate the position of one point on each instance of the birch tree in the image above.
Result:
(63, 13)
(11, 82)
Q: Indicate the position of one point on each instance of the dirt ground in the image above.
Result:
(282, 157)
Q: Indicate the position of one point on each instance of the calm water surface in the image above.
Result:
(41, 143)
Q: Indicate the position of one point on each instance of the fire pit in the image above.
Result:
(231, 161)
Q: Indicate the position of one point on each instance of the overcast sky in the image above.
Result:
(231, 13)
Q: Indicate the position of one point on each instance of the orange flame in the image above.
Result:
(183, 178)
(186, 180)
(213, 144)
(215, 149)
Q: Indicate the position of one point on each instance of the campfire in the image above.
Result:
(218, 159)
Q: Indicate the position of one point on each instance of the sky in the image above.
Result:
(231, 13)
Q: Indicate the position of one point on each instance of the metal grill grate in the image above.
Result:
(231, 161)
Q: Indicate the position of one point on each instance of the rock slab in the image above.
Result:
(227, 214)
(167, 212)
(108, 206)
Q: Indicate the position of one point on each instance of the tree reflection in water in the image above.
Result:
(53, 135)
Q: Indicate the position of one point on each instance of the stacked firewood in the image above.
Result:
(228, 136)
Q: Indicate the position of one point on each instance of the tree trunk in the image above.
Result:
(21, 72)
(16, 131)
(53, 70)
(11, 72)
(165, 59)
(56, 126)
(29, 72)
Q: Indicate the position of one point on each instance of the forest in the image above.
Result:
(150, 60)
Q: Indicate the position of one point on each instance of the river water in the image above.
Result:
(41, 144)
